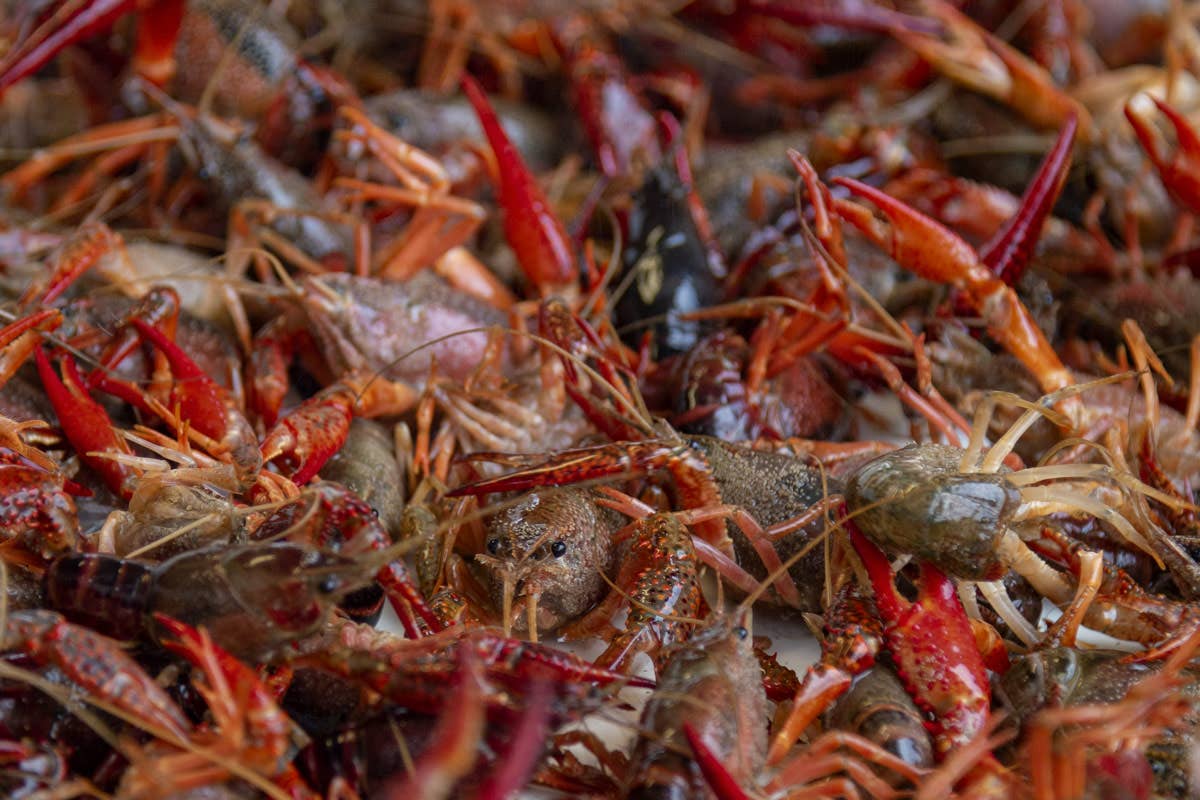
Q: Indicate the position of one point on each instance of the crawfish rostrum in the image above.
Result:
(575, 339)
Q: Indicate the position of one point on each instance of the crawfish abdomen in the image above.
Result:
(915, 500)
(878, 709)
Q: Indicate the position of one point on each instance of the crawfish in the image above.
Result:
(96, 663)
(172, 512)
(1065, 679)
(247, 724)
(332, 517)
(363, 326)
(711, 684)
(255, 599)
(969, 510)
(711, 474)
(260, 75)
(659, 578)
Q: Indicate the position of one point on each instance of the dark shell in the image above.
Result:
(916, 501)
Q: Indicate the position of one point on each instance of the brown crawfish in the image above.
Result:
(255, 599)
(711, 684)
(708, 473)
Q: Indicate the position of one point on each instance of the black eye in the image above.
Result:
(493, 545)
(329, 585)
(558, 549)
(375, 513)
(740, 632)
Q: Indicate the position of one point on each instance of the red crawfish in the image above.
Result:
(247, 728)
(97, 664)
(659, 579)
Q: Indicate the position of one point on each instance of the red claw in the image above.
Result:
(1180, 173)
(933, 647)
(307, 438)
(86, 424)
(853, 638)
(719, 778)
(16, 346)
(158, 27)
(1007, 254)
(936, 253)
(202, 402)
(45, 319)
(58, 32)
(534, 232)
(917, 242)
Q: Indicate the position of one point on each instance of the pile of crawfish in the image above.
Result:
(569, 339)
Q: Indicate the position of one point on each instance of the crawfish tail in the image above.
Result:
(106, 593)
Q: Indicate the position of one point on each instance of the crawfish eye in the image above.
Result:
(493, 545)
(558, 549)
(741, 632)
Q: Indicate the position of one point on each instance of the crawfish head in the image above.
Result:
(255, 598)
(293, 586)
(549, 550)
(369, 325)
